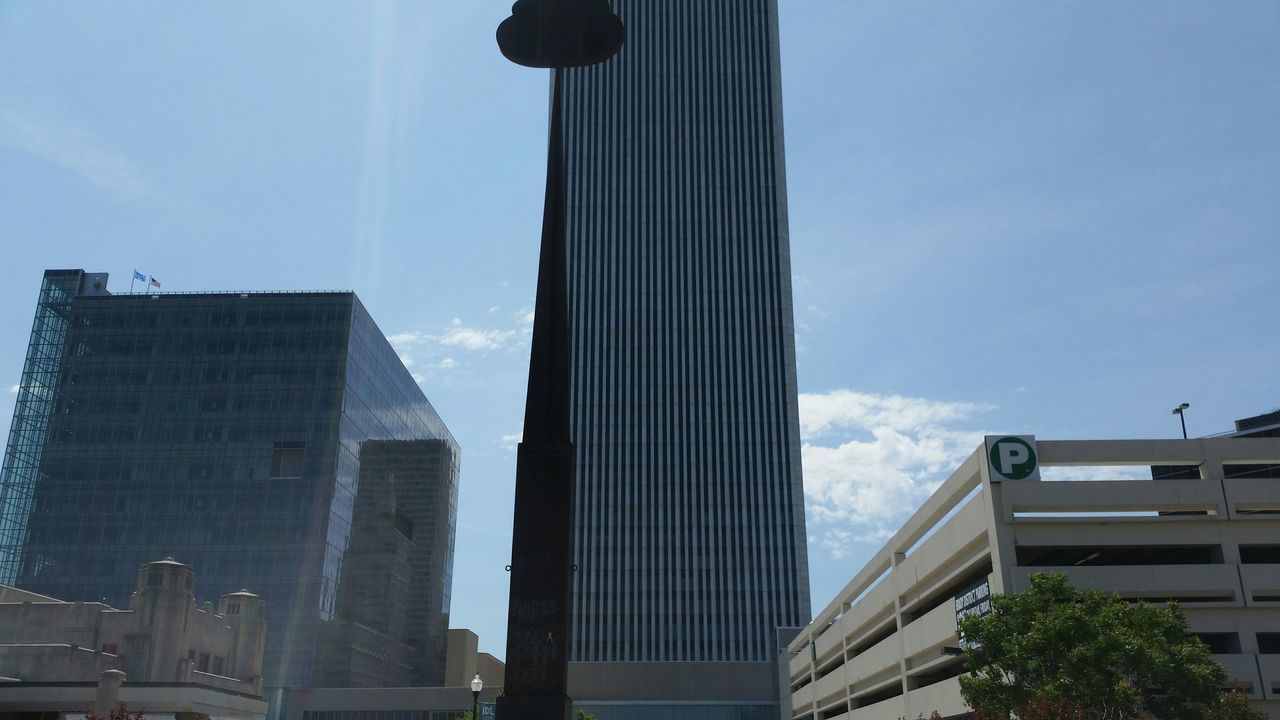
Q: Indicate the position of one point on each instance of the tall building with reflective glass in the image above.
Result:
(269, 440)
(690, 528)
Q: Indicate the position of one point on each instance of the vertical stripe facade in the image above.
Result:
(690, 537)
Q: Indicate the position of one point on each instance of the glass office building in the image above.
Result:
(690, 527)
(232, 432)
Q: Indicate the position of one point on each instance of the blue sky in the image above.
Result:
(1057, 218)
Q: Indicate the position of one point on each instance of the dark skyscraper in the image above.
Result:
(244, 434)
(690, 525)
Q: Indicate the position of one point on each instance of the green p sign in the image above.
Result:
(1012, 457)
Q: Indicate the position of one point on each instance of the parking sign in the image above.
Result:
(1012, 457)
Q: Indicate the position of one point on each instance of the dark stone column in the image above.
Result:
(552, 34)
(539, 611)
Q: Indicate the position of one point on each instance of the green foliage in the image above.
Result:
(584, 715)
(1043, 708)
(1233, 705)
(1082, 654)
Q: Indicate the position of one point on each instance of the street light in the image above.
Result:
(557, 34)
(476, 686)
(1179, 411)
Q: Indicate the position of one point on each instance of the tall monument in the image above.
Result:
(553, 34)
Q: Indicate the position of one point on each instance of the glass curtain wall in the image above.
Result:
(34, 408)
(223, 430)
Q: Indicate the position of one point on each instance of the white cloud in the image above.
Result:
(447, 352)
(63, 142)
(405, 338)
(836, 542)
(417, 346)
(407, 344)
(475, 339)
(870, 460)
(524, 318)
(879, 479)
(511, 441)
(14, 388)
(846, 409)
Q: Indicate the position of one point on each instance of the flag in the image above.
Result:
(139, 276)
(155, 282)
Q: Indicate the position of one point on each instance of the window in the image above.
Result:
(110, 649)
(1118, 555)
(203, 664)
(1259, 554)
(217, 665)
(1220, 643)
(1269, 643)
(286, 460)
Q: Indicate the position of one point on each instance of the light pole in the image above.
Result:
(556, 34)
(1180, 412)
(476, 686)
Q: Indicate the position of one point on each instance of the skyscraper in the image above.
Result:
(250, 435)
(690, 529)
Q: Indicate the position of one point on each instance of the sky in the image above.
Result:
(1058, 218)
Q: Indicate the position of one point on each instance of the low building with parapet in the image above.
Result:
(166, 655)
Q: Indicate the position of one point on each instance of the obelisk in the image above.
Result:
(552, 34)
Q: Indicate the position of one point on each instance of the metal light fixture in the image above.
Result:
(560, 33)
(556, 34)
(1180, 412)
(476, 686)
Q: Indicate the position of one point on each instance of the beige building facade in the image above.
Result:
(464, 661)
(887, 646)
(165, 653)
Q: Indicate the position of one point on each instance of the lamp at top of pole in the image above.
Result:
(560, 33)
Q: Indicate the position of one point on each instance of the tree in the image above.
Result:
(1233, 705)
(1085, 654)
(1042, 708)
